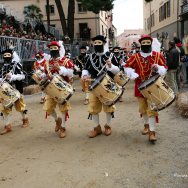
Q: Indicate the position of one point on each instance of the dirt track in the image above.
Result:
(36, 158)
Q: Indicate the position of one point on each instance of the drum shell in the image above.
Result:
(37, 76)
(159, 94)
(9, 94)
(105, 95)
(58, 89)
(121, 79)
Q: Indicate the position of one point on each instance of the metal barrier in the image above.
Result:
(27, 48)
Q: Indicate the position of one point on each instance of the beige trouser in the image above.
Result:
(50, 105)
(95, 106)
(19, 106)
(85, 85)
(144, 108)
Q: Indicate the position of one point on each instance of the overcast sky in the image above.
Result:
(128, 14)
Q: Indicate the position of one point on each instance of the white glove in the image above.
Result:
(114, 69)
(18, 77)
(161, 70)
(63, 71)
(130, 73)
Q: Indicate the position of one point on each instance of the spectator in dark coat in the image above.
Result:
(173, 60)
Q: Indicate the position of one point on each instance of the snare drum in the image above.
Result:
(121, 78)
(37, 76)
(9, 94)
(107, 91)
(58, 89)
(157, 92)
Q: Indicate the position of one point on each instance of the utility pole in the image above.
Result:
(150, 18)
(48, 14)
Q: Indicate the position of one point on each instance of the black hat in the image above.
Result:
(83, 47)
(116, 47)
(99, 37)
(7, 51)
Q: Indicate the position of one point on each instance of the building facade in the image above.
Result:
(165, 19)
(86, 23)
(126, 39)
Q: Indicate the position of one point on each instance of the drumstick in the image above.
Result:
(101, 70)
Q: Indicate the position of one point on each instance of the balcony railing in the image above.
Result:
(184, 9)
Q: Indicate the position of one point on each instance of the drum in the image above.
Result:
(9, 94)
(37, 76)
(157, 92)
(121, 78)
(107, 91)
(58, 89)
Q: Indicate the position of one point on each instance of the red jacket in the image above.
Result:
(142, 67)
(37, 65)
(53, 66)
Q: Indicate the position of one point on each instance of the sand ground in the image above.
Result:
(36, 157)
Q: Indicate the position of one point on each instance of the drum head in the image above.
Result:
(97, 81)
(148, 82)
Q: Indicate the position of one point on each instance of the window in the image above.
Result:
(148, 23)
(164, 11)
(81, 8)
(51, 9)
(152, 20)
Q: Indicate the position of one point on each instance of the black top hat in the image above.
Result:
(7, 51)
(99, 37)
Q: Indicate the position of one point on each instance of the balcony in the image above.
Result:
(184, 9)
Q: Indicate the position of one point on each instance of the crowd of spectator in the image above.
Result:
(11, 27)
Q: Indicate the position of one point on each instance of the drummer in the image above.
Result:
(97, 62)
(80, 63)
(12, 73)
(64, 67)
(141, 66)
(39, 65)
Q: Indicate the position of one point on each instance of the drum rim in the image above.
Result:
(68, 97)
(117, 98)
(101, 76)
(143, 87)
(159, 109)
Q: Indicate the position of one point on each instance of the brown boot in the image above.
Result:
(25, 122)
(152, 137)
(107, 130)
(95, 132)
(146, 129)
(6, 129)
(58, 124)
(86, 101)
(62, 132)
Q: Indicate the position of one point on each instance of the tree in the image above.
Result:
(61, 16)
(97, 5)
(32, 14)
(92, 5)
